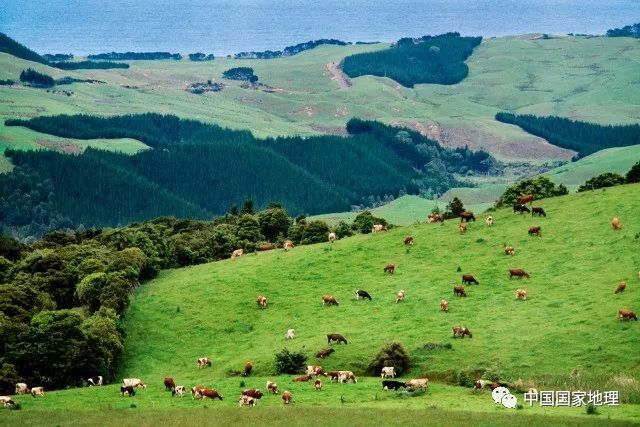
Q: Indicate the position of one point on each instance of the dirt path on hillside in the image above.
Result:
(338, 76)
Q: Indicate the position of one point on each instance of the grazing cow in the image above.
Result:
(272, 387)
(469, 279)
(248, 368)
(480, 384)
(333, 375)
(288, 245)
(179, 390)
(462, 227)
(467, 216)
(521, 294)
(408, 240)
(435, 218)
(324, 353)
(237, 253)
(7, 401)
(203, 361)
(302, 379)
(128, 390)
(266, 246)
(422, 383)
(390, 268)
(525, 198)
(169, 383)
(315, 370)
(286, 397)
(318, 385)
(336, 337)
(378, 227)
(209, 393)
(247, 401)
(538, 211)
(134, 382)
(459, 291)
(195, 391)
(489, 220)
(535, 230)
(96, 382)
(444, 305)
(387, 372)
(362, 294)
(262, 302)
(400, 296)
(21, 388)
(345, 376)
(517, 272)
(621, 287)
(520, 208)
(392, 385)
(291, 334)
(494, 386)
(509, 250)
(461, 331)
(253, 392)
(615, 223)
(329, 300)
(332, 237)
(623, 313)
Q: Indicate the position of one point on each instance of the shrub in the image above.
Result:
(607, 179)
(364, 222)
(240, 73)
(34, 78)
(541, 187)
(288, 362)
(634, 174)
(591, 409)
(343, 230)
(391, 354)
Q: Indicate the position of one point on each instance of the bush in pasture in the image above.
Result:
(365, 221)
(634, 174)
(240, 73)
(591, 409)
(34, 78)
(607, 179)
(315, 232)
(391, 354)
(273, 223)
(288, 362)
(454, 208)
(249, 229)
(541, 188)
(343, 230)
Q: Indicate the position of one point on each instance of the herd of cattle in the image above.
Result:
(249, 397)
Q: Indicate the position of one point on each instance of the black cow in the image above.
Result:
(392, 385)
(128, 389)
(538, 211)
(362, 294)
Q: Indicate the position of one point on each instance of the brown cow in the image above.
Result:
(400, 296)
(195, 391)
(480, 384)
(272, 387)
(467, 216)
(237, 253)
(209, 393)
(203, 361)
(266, 246)
(333, 375)
(469, 279)
(262, 301)
(345, 376)
(459, 291)
(525, 198)
(169, 383)
(517, 272)
(315, 370)
(435, 218)
(247, 400)
(623, 313)
(444, 305)
(509, 250)
(535, 230)
(324, 353)
(615, 223)
(286, 397)
(253, 392)
(521, 294)
(329, 300)
(621, 287)
(390, 268)
(318, 385)
(303, 378)
(288, 245)
(248, 368)
(336, 337)
(408, 240)
(462, 227)
(461, 331)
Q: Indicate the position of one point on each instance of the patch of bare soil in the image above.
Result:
(308, 111)
(329, 130)
(336, 74)
(63, 147)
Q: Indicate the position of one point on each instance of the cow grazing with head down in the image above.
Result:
(133, 382)
(392, 385)
(387, 372)
(362, 294)
(324, 353)
(489, 220)
(39, 391)
(202, 362)
(209, 393)
(332, 237)
(469, 279)
(286, 397)
(318, 385)
(301, 379)
(336, 337)
(621, 287)
(329, 300)
(521, 294)
(378, 228)
(480, 384)
(408, 240)
(435, 218)
(538, 211)
(179, 390)
(291, 334)
(625, 314)
(95, 382)
(21, 388)
(169, 383)
(247, 401)
(459, 291)
(461, 331)
(509, 250)
(462, 227)
(467, 216)
(333, 375)
(248, 368)
(253, 392)
(535, 231)
(315, 370)
(390, 268)
(615, 223)
(400, 296)
(272, 387)
(262, 302)
(128, 390)
(7, 401)
(517, 272)
(195, 391)
(346, 376)
(237, 253)
(520, 208)
(266, 247)
(444, 305)
(288, 245)
(422, 383)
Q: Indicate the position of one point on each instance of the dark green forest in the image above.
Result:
(134, 56)
(626, 31)
(289, 50)
(12, 47)
(198, 170)
(582, 137)
(88, 65)
(33, 78)
(429, 59)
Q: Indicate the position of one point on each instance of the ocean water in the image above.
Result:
(229, 26)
